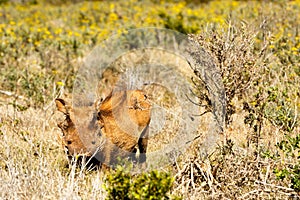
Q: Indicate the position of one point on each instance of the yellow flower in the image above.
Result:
(113, 17)
(58, 31)
(37, 43)
(189, 12)
(76, 34)
(294, 49)
(45, 37)
(59, 83)
(112, 7)
(47, 32)
(272, 46)
(8, 31)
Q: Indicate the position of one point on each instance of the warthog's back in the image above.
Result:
(124, 116)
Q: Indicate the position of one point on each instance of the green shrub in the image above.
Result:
(153, 185)
(290, 148)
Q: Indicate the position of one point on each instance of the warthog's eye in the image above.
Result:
(69, 142)
(98, 116)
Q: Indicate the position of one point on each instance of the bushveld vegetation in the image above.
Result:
(255, 44)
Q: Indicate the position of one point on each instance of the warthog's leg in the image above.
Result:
(142, 144)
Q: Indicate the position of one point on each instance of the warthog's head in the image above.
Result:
(81, 133)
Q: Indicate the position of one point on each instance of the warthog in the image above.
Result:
(116, 127)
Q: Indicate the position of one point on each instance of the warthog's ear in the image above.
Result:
(113, 100)
(61, 106)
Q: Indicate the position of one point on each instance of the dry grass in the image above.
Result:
(33, 163)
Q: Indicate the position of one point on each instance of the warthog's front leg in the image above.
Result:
(142, 144)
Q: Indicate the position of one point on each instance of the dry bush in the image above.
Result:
(235, 55)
